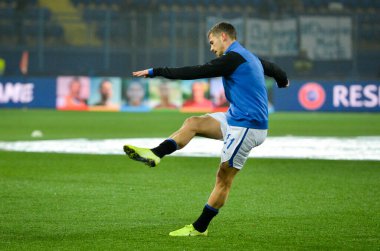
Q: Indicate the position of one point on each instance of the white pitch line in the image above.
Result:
(356, 148)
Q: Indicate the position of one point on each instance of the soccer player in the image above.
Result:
(243, 127)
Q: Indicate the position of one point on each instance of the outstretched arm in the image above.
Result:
(222, 66)
(274, 71)
(142, 73)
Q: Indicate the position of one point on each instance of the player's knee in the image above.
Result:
(192, 123)
(224, 176)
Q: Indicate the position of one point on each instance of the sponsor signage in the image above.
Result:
(353, 96)
(113, 94)
(27, 92)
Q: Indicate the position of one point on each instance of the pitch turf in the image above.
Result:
(18, 124)
(85, 202)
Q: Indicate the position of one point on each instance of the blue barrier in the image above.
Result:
(350, 96)
(27, 92)
(337, 96)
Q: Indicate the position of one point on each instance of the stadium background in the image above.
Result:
(94, 37)
(324, 41)
(77, 201)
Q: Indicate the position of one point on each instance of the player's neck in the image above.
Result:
(227, 44)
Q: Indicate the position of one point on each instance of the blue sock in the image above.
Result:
(208, 213)
(167, 147)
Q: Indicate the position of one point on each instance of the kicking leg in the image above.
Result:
(205, 126)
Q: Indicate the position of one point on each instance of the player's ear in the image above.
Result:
(224, 36)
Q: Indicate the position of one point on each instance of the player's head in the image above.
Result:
(220, 36)
(223, 27)
(164, 90)
(135, 94)
(105, 89)
(75, 87)
(199, 91)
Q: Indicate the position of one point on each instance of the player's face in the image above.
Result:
(198, 92)
(75, 88)
(106, 90)
(164, 90)
(216, 44)
(135, 94)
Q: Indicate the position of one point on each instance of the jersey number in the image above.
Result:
(229, 141)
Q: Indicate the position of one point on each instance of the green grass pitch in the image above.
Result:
(104, 202)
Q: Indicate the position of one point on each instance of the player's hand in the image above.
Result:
(143, 73)
(283, 85)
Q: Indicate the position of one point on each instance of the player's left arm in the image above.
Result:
(274, 71)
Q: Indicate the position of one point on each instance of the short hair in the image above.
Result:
(225, 27)
(75, 80)
(105, 80)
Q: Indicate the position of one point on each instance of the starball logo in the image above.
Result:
(311, 96)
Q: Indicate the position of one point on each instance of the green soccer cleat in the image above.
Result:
(188, 230)
(144, 155)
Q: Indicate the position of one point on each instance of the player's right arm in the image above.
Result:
(221, 66)
(142, 73)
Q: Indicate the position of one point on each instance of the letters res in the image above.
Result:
(356, 96)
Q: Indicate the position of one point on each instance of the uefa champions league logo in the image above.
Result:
(311, 96)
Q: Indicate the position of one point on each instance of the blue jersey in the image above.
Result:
(246, 92)
(243, 81)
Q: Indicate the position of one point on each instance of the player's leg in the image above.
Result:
(205, 126)
(218, 197)
(224, 178)
(238, 142)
